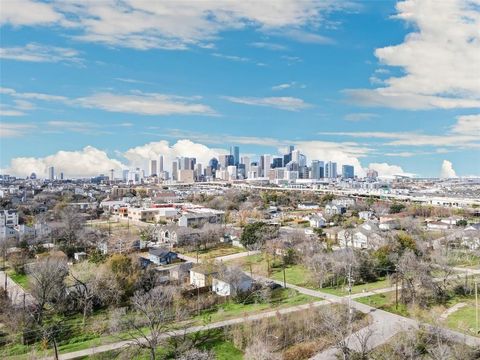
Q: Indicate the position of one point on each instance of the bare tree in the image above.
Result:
(47, 285)
(153, 313)
(260, 350)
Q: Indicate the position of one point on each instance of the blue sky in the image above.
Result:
(89, 86)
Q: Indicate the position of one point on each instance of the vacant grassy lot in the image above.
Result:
(20, 279)
(214, 252)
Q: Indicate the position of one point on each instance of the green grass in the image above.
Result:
(356, 289)
(463, 319)
(220, 250)
(20, 279)
(294, 274)
(385, 302)
(281, 298)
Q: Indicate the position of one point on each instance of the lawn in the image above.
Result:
(356, 289)
(281, 298)
(219, 250)
(463, 319)
(20, 279)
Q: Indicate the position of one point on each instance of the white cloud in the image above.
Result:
(40, 53)
(387, 170)
(135, 102)
(140, 155)
(439, 59)
(307, 37)
(232, 57)
(359, 116)
(292, 84)
(281, 102)
(467, 124)
(465, 133)
(14, 129)
(28, 12)
(169, 24)
(145, 104)
(447, 170)
(87, 162)
(269, 46)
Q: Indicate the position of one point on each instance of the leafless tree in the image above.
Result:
(260, 350)
(153, 313)
(47, 285)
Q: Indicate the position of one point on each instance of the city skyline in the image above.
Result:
(84, 95)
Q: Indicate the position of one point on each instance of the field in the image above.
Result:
(214, 252)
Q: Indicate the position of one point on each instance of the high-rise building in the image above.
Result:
(225, 161)
(348, 172)
(277, 162)
(125, 175)
(246, 162)
(51, 173)
(331, 170)
(317, 170)
(235, 151)
(184, 163)
(175, 170)
(265, 164)
(153, 168)
(295, 156)
(213, 163)
(193, 162)
(160, 164)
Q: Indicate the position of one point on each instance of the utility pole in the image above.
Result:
(396, 288)
(476, 306)
(350, 282)
(284, 276)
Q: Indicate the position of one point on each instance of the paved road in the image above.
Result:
(237, 256)
(17, 295)
(193, 329)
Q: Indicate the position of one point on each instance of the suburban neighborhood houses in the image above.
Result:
(220, 251)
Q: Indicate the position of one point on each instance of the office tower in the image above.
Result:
(232, 172)
(186, 176)
(295, 156)
(331, 170)
(183, 163)
(213, 163)
(51, 173)
(303, 172)
(153, 168)
(246, 162)
(348, 172)
(317, 169)
(291, 148)
(302, 160)
(160, 164)
(241, 171)
(235, 151)
(265, 164)
(175, 170)
(277, 162)
(125, 175)
(193, 162)
(198, 171)
(61, 176)
(226, 161)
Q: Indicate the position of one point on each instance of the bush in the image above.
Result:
(301, 351)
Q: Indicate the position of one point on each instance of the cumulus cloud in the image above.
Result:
(439, 59)
(447, 170)
(169, 24)
(386, 170)
(281, 102)
(87, 162)
(91, 161)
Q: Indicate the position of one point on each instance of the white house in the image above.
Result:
(331, 209)
(316, 220)
(201, 276)
(362, 237)
(231, 285)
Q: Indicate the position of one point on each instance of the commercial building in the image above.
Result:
(348, 172)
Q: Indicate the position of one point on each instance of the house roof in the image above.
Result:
(159, 252)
